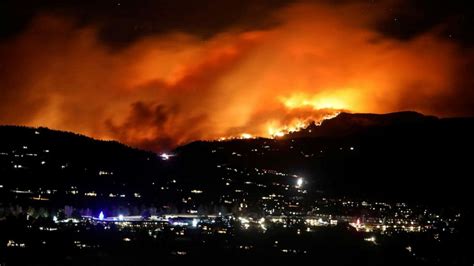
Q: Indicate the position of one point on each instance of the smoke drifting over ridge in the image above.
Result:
(162, 90)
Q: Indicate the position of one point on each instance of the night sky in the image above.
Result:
(156, 74)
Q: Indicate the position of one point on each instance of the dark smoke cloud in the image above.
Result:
(122, 22)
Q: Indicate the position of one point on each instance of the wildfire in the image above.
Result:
(279, 128)
(168, 89)
(280, 131)
(276, 132)
(337, 99)
(241, 136)
(246, 136)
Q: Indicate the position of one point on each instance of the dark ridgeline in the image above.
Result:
(347, 124)
(70, 158)
(395, 157)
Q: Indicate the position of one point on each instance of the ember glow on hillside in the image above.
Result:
(311, 62)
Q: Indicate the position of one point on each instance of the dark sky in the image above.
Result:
(124, 21)
(156, 74)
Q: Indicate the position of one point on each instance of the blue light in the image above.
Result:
(101, 215)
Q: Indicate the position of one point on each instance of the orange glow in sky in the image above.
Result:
(170, 89)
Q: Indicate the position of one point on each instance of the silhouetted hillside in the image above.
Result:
(398, 156)
(346, 124)
(39, 156)
(395, 156)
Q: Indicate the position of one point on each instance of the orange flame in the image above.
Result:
(169, 89)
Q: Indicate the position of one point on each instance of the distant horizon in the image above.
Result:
(227, 138)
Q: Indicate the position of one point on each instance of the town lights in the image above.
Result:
(299, 182)
(165, 156)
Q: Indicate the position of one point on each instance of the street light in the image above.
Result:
(299, 182)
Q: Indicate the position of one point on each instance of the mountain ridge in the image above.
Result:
(414, 153)
(352, 123)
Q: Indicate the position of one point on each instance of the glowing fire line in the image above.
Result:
(297, 126)
(279, 132)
